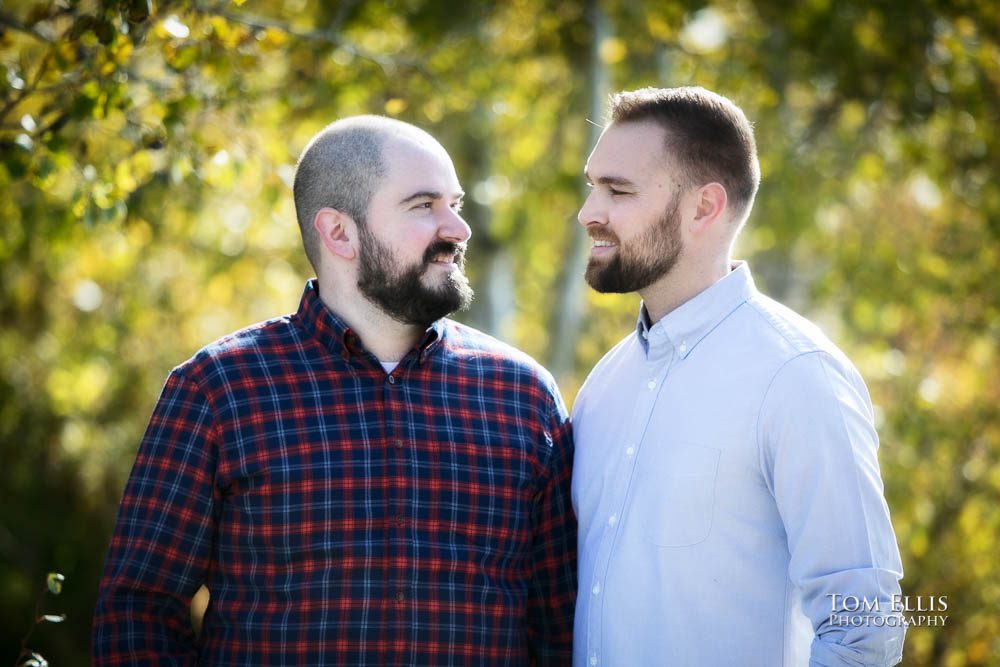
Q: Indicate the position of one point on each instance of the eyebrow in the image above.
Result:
(433, 195)
(610, 180)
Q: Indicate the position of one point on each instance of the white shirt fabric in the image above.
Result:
(727, 486)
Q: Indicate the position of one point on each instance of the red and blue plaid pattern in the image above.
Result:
(343, 516)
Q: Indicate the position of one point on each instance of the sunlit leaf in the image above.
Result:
(54, 582)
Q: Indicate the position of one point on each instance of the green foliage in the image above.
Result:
(146, 151)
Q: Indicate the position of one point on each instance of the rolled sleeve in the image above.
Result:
(819, 456)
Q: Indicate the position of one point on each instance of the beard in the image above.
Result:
(400, 291)
(646, 260)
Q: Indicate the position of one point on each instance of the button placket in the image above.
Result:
(398, 420)
(656, 374)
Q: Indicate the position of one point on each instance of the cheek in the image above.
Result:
(416, 244)
(410, 238)
(629, 220)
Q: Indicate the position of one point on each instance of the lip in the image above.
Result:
(600, 251)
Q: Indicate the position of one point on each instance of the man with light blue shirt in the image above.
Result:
(726, 479)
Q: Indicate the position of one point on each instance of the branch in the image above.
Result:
(9, 21)
(28, 89)
(330, 36)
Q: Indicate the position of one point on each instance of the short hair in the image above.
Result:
(707, 137)
(342, 167)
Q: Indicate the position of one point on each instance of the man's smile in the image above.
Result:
(602, 247)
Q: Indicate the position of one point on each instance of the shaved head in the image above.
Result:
(342, 167)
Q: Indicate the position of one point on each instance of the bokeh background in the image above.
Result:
(145, 209)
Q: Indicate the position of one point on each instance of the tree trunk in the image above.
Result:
(570, 303)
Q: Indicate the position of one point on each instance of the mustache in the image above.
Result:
(445, 247)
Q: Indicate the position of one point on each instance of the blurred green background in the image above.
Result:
(145, 209)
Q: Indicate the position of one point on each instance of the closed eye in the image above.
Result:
(614, 192)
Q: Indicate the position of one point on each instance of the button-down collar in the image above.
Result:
(682, 329)
(334, 334)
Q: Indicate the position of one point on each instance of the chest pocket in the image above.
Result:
(676, 492)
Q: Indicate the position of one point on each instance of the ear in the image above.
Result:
(336, 229)
(711, 202)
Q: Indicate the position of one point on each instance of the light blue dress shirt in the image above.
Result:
(729, 499)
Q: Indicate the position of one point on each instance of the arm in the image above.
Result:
(162, 539)
(819, 455)
(552, 592)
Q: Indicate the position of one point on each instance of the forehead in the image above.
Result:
(628, 148)
(416, 166)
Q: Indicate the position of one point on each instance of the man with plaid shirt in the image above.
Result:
(362, 482)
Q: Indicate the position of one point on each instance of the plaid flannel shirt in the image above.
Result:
(341, 515)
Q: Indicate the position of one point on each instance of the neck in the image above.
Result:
(385, 337)
(682, 284)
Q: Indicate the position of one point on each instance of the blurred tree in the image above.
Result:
(146, 154)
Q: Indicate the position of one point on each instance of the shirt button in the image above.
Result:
(400, 596)
(392, 379)
(596, 590)
(612, 520)
(593, 660)
(400, 520)
(682, 348)
(630, 451)
(399, 444)
(651, 384)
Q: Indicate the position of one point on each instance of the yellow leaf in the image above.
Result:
(124, 179)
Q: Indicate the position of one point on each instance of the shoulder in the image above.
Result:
(612, 361)
(247, 347)
(807, 365)
(784, 332)
(480, 352)
(465, 342)
(605, 378)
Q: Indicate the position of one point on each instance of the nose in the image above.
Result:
(591, 213)
(454, 227)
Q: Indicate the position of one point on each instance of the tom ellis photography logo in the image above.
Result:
(898, 610)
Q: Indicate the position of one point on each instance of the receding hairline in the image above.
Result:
(662, 158)
(696, 122)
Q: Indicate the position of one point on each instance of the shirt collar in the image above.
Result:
(334, 334)
(684, 327)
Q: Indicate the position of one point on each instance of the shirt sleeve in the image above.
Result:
(819, 455)
(161, 545)
(552, 596)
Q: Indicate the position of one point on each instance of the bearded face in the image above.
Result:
(413, 294)
(641, 262)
